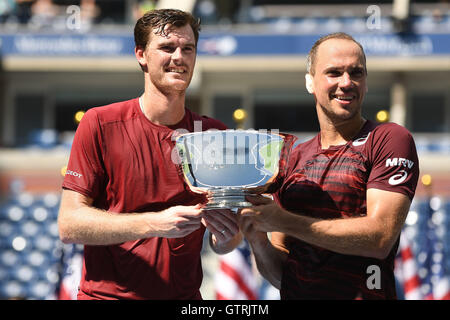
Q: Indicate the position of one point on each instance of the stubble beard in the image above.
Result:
(339, 119)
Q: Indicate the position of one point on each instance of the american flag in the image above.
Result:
(407, 271)
(236, 278)
(424, 276)
(72, 262)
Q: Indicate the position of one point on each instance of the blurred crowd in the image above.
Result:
(53, 14)
(56, 14)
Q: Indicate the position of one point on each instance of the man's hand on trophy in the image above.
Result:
(248, 229)
(176, 221)
(222, 223)
(263, 216)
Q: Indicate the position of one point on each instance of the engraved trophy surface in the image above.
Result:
(231, 164)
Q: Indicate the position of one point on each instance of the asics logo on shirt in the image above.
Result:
(398, 178)
(361, 141)
(402, 174)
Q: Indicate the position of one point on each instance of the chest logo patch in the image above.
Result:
(361, 141)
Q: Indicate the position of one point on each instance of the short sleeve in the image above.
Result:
(85, 173)
(394, 160)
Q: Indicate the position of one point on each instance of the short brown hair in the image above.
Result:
(159, 19)
(311, 59)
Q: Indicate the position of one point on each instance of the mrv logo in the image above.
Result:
(399, 162)
(401, 175)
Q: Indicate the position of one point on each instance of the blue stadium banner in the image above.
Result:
(218, 44)
(66, 45)
(291, 44)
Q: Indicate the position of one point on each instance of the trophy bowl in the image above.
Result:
(230, 164)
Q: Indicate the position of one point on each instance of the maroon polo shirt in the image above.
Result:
(124, 162)
(332, 184)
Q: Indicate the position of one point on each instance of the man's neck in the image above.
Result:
(163, 109)
(339, 134)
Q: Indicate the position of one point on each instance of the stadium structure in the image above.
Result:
(59, 58)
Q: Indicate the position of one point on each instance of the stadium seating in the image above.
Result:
(426, 21)
(30, 250)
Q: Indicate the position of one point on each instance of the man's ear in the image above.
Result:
(139, 53)
(309, 83)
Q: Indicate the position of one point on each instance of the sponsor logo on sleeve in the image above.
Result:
(398, 178)
(401, 175)
(73, 173)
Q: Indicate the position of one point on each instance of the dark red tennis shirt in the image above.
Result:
(124, 162)
(332, 184)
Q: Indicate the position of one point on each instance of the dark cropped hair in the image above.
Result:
(158, 20)
(311, 59)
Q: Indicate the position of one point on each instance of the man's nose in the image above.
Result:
(177, 55)
(345, 81)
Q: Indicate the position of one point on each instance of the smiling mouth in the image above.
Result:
(343, 98)
(176, 70)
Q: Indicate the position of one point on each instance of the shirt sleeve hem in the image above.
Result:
(382, 186)
(77, 188)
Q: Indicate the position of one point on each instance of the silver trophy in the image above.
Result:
(231, 164)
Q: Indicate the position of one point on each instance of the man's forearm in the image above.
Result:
(91, 226)
(80, 222)
(269, 261)
(355, 236)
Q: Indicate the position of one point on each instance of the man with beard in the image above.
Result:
(336, 220)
